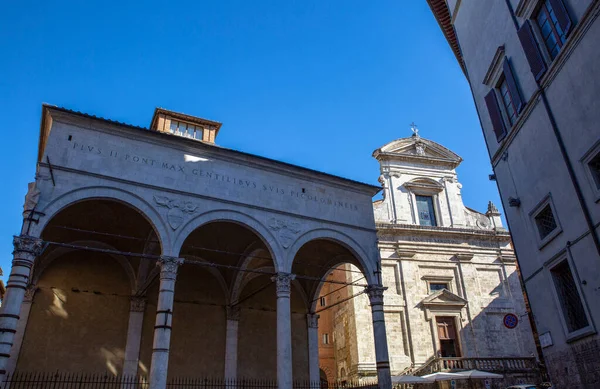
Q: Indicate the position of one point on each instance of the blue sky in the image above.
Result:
(320, 84)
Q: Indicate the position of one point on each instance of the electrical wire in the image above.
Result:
(198, 248)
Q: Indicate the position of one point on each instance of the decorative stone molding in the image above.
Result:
(287, 230)
(233, 313)
(495, 69)
(29, 294)
(464, 257)
(137, 304)
(27, 247)
(375, 293)
(313, 320)
(405, 253)
(177, 209)
(283, 283)
(168, 266)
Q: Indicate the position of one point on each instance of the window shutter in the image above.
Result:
(495, 115)
(512, 86)
(532, 52)
(561, 15)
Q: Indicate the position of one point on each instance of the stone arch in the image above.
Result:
(224, 215)
(46, 261)
(313, 302)
(340, 238)
(106, 193)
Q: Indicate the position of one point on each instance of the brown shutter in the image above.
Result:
(512, 86)
(495, 115)
(532, 51)
(561, 15)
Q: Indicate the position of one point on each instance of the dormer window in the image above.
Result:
(185, 126)
(186, 130)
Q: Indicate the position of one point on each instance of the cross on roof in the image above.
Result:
(414, 129)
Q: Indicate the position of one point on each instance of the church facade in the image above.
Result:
(155, 252)
(453, 290)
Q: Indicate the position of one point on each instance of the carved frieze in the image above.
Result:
(177, 209)
(286, 230)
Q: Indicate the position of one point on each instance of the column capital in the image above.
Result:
(27, 247)
(375, 293)
(29, 293)
(283, 283)
(233, 313)
(313, 320)
(137, 304)
(168, 266)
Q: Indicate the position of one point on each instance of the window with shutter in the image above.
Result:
(532, 51)
(494, 110)
(513, 90)
(554, 23)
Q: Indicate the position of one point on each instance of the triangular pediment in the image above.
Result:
(444, 298)
(419, 149)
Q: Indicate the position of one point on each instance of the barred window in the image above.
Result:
(325, 338)
(594, 165)
(568, 296)
(545, 221)
(323, 302)
(186, 130)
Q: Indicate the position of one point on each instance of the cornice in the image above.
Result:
(426, 160)
(408, 229)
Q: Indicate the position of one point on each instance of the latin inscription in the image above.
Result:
(213, 176)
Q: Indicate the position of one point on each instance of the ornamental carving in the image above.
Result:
(375, 293)
(283, 282)
(287, 230)
(27, 245)
(313, 320)
(177, 209)
(169, 266)
(233, 313)
(137, 304)
(29, 293)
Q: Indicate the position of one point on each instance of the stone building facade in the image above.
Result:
(450, 272)
(156, 252)
(533, 70)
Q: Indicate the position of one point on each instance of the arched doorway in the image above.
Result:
(78, 310)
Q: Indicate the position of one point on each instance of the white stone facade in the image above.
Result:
(460, 269)
(144, 252)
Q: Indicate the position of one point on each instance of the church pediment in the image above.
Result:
(443, 298)
(418, 149)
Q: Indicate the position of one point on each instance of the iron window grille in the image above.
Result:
(568, 296)
(545, 222)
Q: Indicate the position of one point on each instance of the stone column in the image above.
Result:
(284, 330)
(21, 326)
(27, 248)
(375, 293)
(313, 349)
(162, 326)
(134, 335)
(231, 342)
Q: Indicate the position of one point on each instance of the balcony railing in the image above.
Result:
(499, 365)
